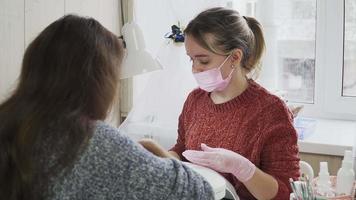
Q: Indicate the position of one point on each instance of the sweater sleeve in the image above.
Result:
(279, 156)
(179, 147)
(145, 176)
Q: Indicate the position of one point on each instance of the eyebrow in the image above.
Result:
(199, 55)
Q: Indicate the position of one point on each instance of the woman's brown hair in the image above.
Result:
(69, 78)
(221, 30)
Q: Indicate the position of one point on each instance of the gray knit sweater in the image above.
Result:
(114, 167)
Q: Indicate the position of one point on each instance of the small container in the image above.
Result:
(333, 186)
(323, 184)
(345, 175)
(304, 126)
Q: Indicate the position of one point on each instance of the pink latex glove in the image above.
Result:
(222, 160)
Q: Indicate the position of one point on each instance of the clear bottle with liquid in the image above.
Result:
(323, 183)
(345, 175)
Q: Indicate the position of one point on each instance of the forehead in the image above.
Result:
(193, 48)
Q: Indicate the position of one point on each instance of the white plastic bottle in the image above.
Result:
(323, 183)
(345, 176)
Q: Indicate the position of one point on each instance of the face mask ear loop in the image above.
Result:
(222, 64)
(233, 69)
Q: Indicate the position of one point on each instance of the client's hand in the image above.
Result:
(154, 148)
(222, 160)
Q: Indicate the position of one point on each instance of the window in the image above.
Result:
(298, 78)
(296, 49)
(338, 95)
(289, 63)
(311, 48)
(349, 70)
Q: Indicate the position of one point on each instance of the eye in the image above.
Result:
(204, 62)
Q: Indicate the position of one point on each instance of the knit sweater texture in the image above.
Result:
(256, 124)
(115, 167)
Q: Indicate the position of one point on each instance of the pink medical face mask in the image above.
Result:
(212, 80)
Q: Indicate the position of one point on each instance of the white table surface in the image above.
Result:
(331, 137)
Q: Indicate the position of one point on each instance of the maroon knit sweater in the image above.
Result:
(255, 124)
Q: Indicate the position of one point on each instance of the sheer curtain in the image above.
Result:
(124, 102)
(158, 96)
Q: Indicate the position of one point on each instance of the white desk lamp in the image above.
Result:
(137, 60)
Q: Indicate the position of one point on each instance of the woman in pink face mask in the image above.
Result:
(231, 123)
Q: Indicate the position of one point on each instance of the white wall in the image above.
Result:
(22, 20)
(12, 42)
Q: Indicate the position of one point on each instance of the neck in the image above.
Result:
(237, 85)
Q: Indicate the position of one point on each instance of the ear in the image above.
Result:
(237, 56)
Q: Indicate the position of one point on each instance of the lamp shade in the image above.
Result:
(137, 60)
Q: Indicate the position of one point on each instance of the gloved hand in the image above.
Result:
(222, 160)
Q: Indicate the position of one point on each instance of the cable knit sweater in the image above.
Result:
(114, 167)
(255, 124)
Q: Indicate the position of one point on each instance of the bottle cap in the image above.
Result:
(324, 168)
(324, 177)
(348, 155)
